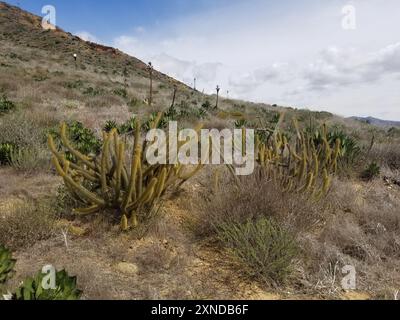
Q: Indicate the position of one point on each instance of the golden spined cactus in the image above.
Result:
(114, 182)
(298, 165)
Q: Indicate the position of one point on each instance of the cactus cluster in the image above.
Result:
(300, 165)
(7, 264)
(130, 191)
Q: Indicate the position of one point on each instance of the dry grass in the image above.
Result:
(253, 200)
(357, 224)
(259, 223)
(24, 224)
(362, 232)
(387, 154)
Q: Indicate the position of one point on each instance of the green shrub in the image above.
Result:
(262, 245)
(350, 150)
(5, 104)
(6, 150)
(371, 172)
(7, 264)
(206, 105)
(93, 92)
(29, 159)
(127, 127)
(121, 92)
(74, 84)
(32, 288)
(82, 138)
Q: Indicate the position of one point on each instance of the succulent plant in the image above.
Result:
(110, 124)
(32, 288)
(7, 264)
(130, 191)
(300, 165)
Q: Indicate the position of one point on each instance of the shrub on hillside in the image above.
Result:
(372, 171)
(263, 246)
(6, 105)
(82, 138)
(6, 149)
(258, 222)
(24, 224)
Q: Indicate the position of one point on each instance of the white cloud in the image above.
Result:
(87, 36)
(293, 54)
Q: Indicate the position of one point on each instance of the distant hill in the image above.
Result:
(377, 122)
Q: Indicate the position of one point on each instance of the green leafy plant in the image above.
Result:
(110, 124)
(162, 123)
(124, 128)
(241, 124)
(349, 148)
(6, 150)
(128, 127)
(7, 264)
(32, 288)
(81, 138)
(121, 92)
(6, 105)
(262, 245)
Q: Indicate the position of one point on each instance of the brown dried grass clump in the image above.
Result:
(24, 224)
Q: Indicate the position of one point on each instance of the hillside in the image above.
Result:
(378, 122)
(325, 193)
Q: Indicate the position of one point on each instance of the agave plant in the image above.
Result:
(110, 124)
(128, 127)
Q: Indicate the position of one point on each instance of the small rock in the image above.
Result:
(127, 268)
(77, 231)
(354, 295)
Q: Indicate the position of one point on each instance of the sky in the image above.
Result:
(340, 56)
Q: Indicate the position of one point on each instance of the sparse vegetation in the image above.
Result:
(266, 250)
(7, 264)
(325, 192)
(371, 172)
(6, 150)
(82, 138)
(32, 289)
(6, 105)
